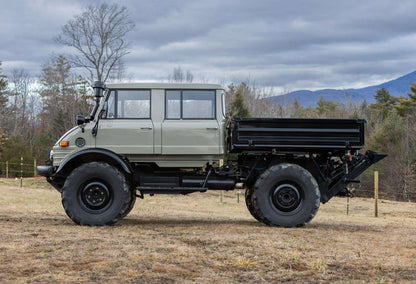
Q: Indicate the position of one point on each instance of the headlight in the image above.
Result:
(51, 155)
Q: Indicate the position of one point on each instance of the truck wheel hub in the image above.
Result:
(286, 197)
(95, 195)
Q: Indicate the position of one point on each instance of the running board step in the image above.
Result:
(169, 190)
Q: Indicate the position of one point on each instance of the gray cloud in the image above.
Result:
(289, 45)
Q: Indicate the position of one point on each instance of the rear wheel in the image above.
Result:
(96, 194)
(286, 195)
(250, 206)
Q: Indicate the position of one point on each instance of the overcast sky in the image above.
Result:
(286, 44)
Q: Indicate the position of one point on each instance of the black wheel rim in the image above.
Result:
(95, 195)
(286, 197)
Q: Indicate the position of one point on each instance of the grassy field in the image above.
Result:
(196, 238)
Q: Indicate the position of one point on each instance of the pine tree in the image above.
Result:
(384, 103)
(238, 107)
(407, 106)
(404, 106)
(383, 96)
(326, 108)
(412, 95)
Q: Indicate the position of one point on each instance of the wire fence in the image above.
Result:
(16, 170)
(398, 195)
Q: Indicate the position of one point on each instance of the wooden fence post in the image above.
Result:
(7, 169)
(34, 167)
(376, 193)
(21, 172)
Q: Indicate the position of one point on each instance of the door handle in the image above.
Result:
(146, 128)
(212, 128)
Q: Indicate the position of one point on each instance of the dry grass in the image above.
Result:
(197, 239)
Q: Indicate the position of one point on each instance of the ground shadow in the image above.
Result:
(187, 222)
(190, 222)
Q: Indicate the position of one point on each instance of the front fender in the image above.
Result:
(91, 155)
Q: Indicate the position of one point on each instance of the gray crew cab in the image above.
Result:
(163, 138)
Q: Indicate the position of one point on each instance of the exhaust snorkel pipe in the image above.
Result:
(98, 87)
(98, 94)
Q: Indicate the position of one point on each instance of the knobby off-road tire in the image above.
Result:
(250, 206)
(286, 195)
(131, 204)
(96, 194)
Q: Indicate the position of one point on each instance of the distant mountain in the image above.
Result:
(396, 87)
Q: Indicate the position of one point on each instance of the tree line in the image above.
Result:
(35, 113)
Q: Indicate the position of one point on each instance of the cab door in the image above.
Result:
(127, 127)
(190, 126)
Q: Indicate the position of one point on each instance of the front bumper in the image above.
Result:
(49, 172)
(45, 171)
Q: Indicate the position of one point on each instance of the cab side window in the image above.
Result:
(190, 104)
(173, 104)
(133, 104)
(198, 104)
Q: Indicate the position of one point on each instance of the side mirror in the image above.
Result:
(80, 119)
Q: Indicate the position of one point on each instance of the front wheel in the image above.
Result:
(131, 204)
(96, 194)
(286, 195)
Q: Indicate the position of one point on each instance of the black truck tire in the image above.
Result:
(96, 194)
(131, 204)
(250, 206)
(286, 195)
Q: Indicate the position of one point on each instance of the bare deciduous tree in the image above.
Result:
(98, 35)
(3, 102)
(178, 76)
(63, 97)
(19, 92)
(3, 93)
(20, 113)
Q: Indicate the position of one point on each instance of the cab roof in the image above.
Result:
(163, 86)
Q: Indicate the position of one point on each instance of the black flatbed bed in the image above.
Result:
(295, 134)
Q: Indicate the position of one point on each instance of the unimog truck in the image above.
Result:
(163, 138)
